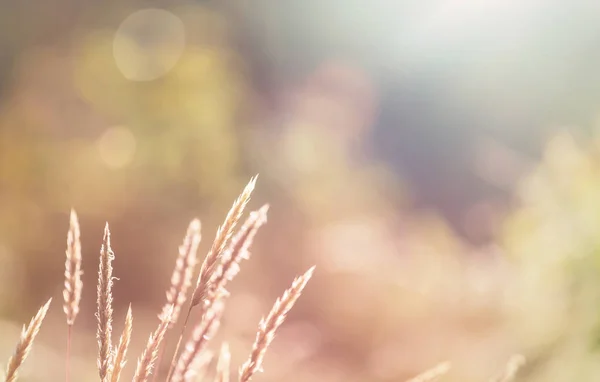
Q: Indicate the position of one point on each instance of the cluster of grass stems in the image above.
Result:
(208, 297)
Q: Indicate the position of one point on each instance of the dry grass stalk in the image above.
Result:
(220, 266)
(269, 325)
(181, 278)
(212, 259)
(236, 251)
(104, 313)
(223, 364)
(146, 361)
(73, 284)
(192, 356)
(223, 235)
(513, 366)
(28, 335)
(121, 355)
(432, 374)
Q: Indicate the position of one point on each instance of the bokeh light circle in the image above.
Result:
(148, 44)
(117, 147)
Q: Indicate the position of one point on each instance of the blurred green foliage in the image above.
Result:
(553, 239)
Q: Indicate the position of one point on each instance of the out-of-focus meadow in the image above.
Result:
(439, 161)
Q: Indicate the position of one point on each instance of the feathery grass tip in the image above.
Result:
(121, 355)
(237, 250)
(181, 279)
(148, 358)
(73, 283)
(28, 335)
(104, 305)
(192, 356)
(269, 325)
(224, 233)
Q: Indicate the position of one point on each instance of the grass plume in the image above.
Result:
(212, 260)
(236, 251)
(195, 347)
(223, 235)
(146, 361)
(23, 348)
(121, 354)
(220, 266)
(105, 311)
(269, 325)
(73, 283)
(181, 279)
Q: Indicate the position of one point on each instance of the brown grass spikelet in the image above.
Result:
(269, 325)
(73, 283)
(235, 252)
(28, 335)
(181, 278)
(104, 305)
(148, 358)
(223, 235)
(514, 364)
(121, 354)
(432, 374)
(192, 356)
(223, 364)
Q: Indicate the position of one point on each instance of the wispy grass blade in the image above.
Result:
(181, 279)
(73, 283)
(105, 310)
(196, 346)
(269, 325)
(23, 348)
(211, 261)
(121, 354)
(223, 235)
(236, 251)
(146, 361)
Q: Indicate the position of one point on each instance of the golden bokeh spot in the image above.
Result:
(148, 44)
(117, 147)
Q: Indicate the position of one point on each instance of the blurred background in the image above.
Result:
(438, 160)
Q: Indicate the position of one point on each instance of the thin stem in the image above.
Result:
(68, 361)
(174, 359)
